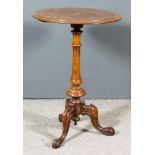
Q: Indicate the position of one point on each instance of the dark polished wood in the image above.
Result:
(76, 16)
(75, 106)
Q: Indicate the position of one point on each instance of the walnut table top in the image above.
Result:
(75, 105)
(76, 16)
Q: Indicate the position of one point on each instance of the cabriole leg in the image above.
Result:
(92, 112)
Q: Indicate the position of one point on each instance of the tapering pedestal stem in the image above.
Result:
(74, 106)
(76, 90)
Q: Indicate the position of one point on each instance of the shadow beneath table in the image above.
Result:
(40, 124)
(109, 119)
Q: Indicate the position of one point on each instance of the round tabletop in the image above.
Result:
(76, 16)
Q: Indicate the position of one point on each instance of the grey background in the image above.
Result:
(105, 53)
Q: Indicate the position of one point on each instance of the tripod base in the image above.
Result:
(74, 108)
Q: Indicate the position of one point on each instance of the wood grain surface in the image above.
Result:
(76, 16)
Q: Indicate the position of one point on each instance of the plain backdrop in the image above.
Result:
(143, 75)
(105, 52)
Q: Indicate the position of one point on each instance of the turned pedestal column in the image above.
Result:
(76, 91)
(75, 105)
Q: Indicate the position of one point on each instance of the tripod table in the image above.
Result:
(74, 105)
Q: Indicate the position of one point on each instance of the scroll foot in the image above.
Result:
(66, 117)
(92, 112)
